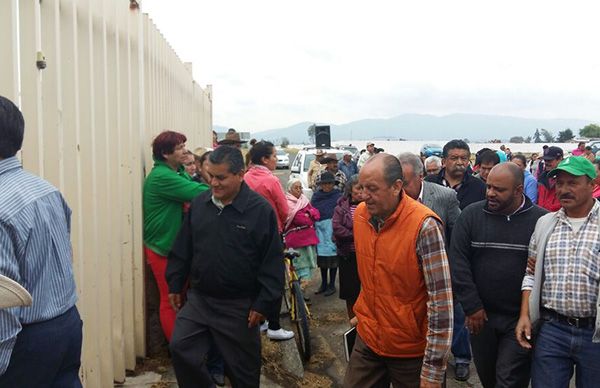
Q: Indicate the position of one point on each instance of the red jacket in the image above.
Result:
(547, 193)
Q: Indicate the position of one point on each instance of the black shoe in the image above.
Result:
(218, 379)
(462, 372)
(321, 290)
(330, 291)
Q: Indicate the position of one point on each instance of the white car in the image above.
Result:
(283, 159)
(301, 163)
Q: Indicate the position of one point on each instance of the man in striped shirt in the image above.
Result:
(39, 345)
(561, 283)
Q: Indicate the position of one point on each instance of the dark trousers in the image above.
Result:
(498, 357)
(368, 369)
(47, 354)
(273, 316)
(226, 321)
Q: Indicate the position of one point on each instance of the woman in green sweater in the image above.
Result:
(166, 191)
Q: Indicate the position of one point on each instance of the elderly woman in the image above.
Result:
(343, 221)
(299, 230)
(325, 199)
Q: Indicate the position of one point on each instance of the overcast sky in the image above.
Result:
(276, 63)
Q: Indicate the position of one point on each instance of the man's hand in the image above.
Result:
(523, 332)
(354, 321)
(429, 384)
(175, 300)
(254, 318)
(475, 321)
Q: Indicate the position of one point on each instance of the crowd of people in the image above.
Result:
(493, 257)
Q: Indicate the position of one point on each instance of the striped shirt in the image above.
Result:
(571, 266)
(35, 251)
(436, 271)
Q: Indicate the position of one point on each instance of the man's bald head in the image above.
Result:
(504, 190)
(389, 164)
(510, 169)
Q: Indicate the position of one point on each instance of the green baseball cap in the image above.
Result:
(575, 165)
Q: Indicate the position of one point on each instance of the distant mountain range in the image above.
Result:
(427, 127)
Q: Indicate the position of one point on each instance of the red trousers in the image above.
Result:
(167, 315)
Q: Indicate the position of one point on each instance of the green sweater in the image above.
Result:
(165, 191)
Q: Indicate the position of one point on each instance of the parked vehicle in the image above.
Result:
(283, 159)
(595, 144)
(301, 164)
(431, 149)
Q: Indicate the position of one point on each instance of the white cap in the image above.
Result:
(12, 294)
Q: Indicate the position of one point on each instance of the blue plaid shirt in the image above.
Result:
(35, 251)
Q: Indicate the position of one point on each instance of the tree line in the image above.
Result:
(543, 135)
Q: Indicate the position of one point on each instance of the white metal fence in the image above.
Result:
(111, 82)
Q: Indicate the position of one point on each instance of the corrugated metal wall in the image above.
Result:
(112, 82)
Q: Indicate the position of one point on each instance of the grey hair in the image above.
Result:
(291, 182)
(414, 161)
(433, 159)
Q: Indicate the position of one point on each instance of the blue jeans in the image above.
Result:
(558, 347)
(461, 347)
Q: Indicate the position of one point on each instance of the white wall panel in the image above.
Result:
(111, 84)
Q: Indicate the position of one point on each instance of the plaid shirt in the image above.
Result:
(571, 266)
(436, 271)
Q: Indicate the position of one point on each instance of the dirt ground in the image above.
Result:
(328, 364)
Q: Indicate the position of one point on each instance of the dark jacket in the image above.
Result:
(231, 253)
(488, 257)
(343, 227)
(471, 189)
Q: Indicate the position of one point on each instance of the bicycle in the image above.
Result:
(299, 312)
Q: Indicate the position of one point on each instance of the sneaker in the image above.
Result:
(462, 372)
(218, 379)
(330, 291)
(264, 326)
(280, 335)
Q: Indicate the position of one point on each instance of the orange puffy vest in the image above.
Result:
(392, 305)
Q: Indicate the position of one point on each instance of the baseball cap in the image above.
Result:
(553, 153)
(575, 165)
(370, 143)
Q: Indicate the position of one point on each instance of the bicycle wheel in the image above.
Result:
(302, 321)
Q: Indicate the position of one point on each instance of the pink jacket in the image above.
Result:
(301, 232)
(261, 180)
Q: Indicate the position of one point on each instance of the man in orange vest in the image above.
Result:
(404, 310)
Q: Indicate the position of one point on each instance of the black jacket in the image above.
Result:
(471, 190)
(488, 257)
(231, 253)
